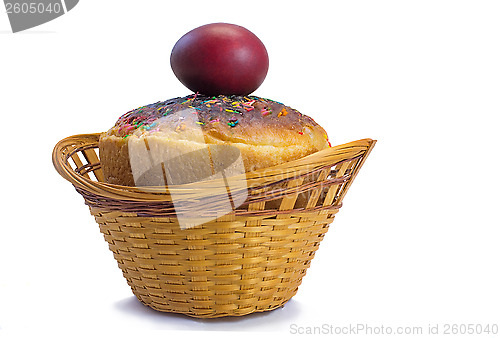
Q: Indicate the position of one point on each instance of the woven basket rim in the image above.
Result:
(255, 179)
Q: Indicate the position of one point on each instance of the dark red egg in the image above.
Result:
(220, 58)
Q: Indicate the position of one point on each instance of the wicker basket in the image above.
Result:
(250, 260)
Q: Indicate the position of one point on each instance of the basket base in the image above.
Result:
(230, 310)
(220, 269)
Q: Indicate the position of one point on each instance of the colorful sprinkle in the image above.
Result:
(283, 112)
(180, 127)
(248, 105)
(211, 101)
(233, 121)
(232, 124)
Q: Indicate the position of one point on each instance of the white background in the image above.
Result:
(417, 241)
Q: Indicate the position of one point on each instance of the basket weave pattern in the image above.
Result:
(252, 259)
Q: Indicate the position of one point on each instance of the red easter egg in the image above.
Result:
(220, 58)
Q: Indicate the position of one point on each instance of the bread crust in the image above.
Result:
(265, 132)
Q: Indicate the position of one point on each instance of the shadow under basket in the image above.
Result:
(250, 260)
